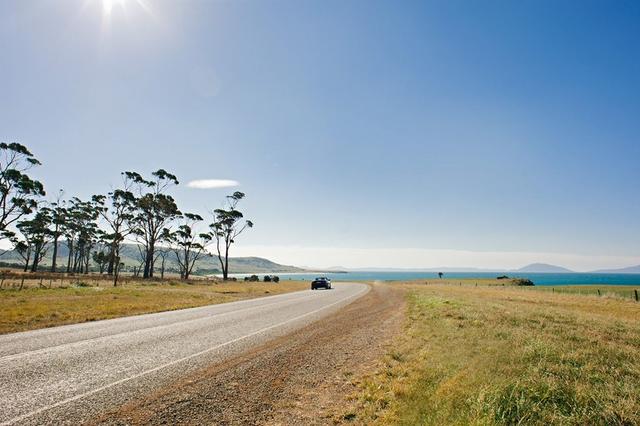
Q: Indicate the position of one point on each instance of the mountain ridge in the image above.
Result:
(542, 268)
(627, 270)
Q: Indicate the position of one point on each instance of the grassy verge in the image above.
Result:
(34, 308)
(492, 355)
(623, 291)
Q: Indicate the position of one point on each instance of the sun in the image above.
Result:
(107, 5)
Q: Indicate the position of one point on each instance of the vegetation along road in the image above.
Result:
(76, 372)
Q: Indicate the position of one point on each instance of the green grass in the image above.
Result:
(507, 356)
(33, 308)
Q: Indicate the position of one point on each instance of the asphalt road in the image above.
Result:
(72, 373)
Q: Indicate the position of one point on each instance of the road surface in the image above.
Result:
(73, 373)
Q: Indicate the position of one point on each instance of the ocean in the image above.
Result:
(537, 278)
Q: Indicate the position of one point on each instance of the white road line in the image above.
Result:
(140, 330)
(174, 362)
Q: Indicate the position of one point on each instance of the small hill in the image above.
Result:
(542, 268)
(628, 270)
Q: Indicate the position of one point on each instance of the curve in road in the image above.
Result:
(68, 374)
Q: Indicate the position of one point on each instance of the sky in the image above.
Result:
(364, 133)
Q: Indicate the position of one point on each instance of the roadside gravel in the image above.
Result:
(303, 378)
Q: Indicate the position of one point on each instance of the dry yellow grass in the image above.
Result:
(493, 355)
(33, 308)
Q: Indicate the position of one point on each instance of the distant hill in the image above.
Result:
(442, 269)
(628, 270)
(130, 256)
(542, 267)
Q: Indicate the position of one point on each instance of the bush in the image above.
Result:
(275, 279)
(267, 279)
(523, 282)
(253, 278)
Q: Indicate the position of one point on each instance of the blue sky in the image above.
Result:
(365, 133)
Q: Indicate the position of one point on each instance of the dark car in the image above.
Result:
(321, 282)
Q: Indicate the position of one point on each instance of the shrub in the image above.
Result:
(267, 279)
(523, 282)
(275, 279)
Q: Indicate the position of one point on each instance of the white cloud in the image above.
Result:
(212, 183)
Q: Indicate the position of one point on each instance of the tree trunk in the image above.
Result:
(148, 262)
(36, 260)
(87, 260)
(115, 271)
(70, 245)
(162, 269)
(112, 258)
(55, 254)
(225, 271)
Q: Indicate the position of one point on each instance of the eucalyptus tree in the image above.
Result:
(117, 210)
(36, 235)
(142, 257)
(23, 248)
(82, 233)
(57, 213)
(188, 245)
(101, 259)
(163, 254)
(155, 211)
(228, 224)
(19, 193)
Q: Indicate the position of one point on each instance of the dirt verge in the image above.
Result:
(303, 378)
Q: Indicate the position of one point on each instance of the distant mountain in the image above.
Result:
(443, 269)
(542, 267)
(628, 270)
(130, 255)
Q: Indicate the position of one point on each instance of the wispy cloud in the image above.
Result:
(212, 183)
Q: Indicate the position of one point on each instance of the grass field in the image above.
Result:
(38, 307)
(507, 355)
(624, 291)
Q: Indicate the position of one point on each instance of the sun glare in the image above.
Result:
(107, 5)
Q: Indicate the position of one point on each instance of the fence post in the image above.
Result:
(636, 293)
(599, 292)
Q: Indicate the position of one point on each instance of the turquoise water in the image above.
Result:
(537, 278)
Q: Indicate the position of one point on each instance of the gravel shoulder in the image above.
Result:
(305, 377)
